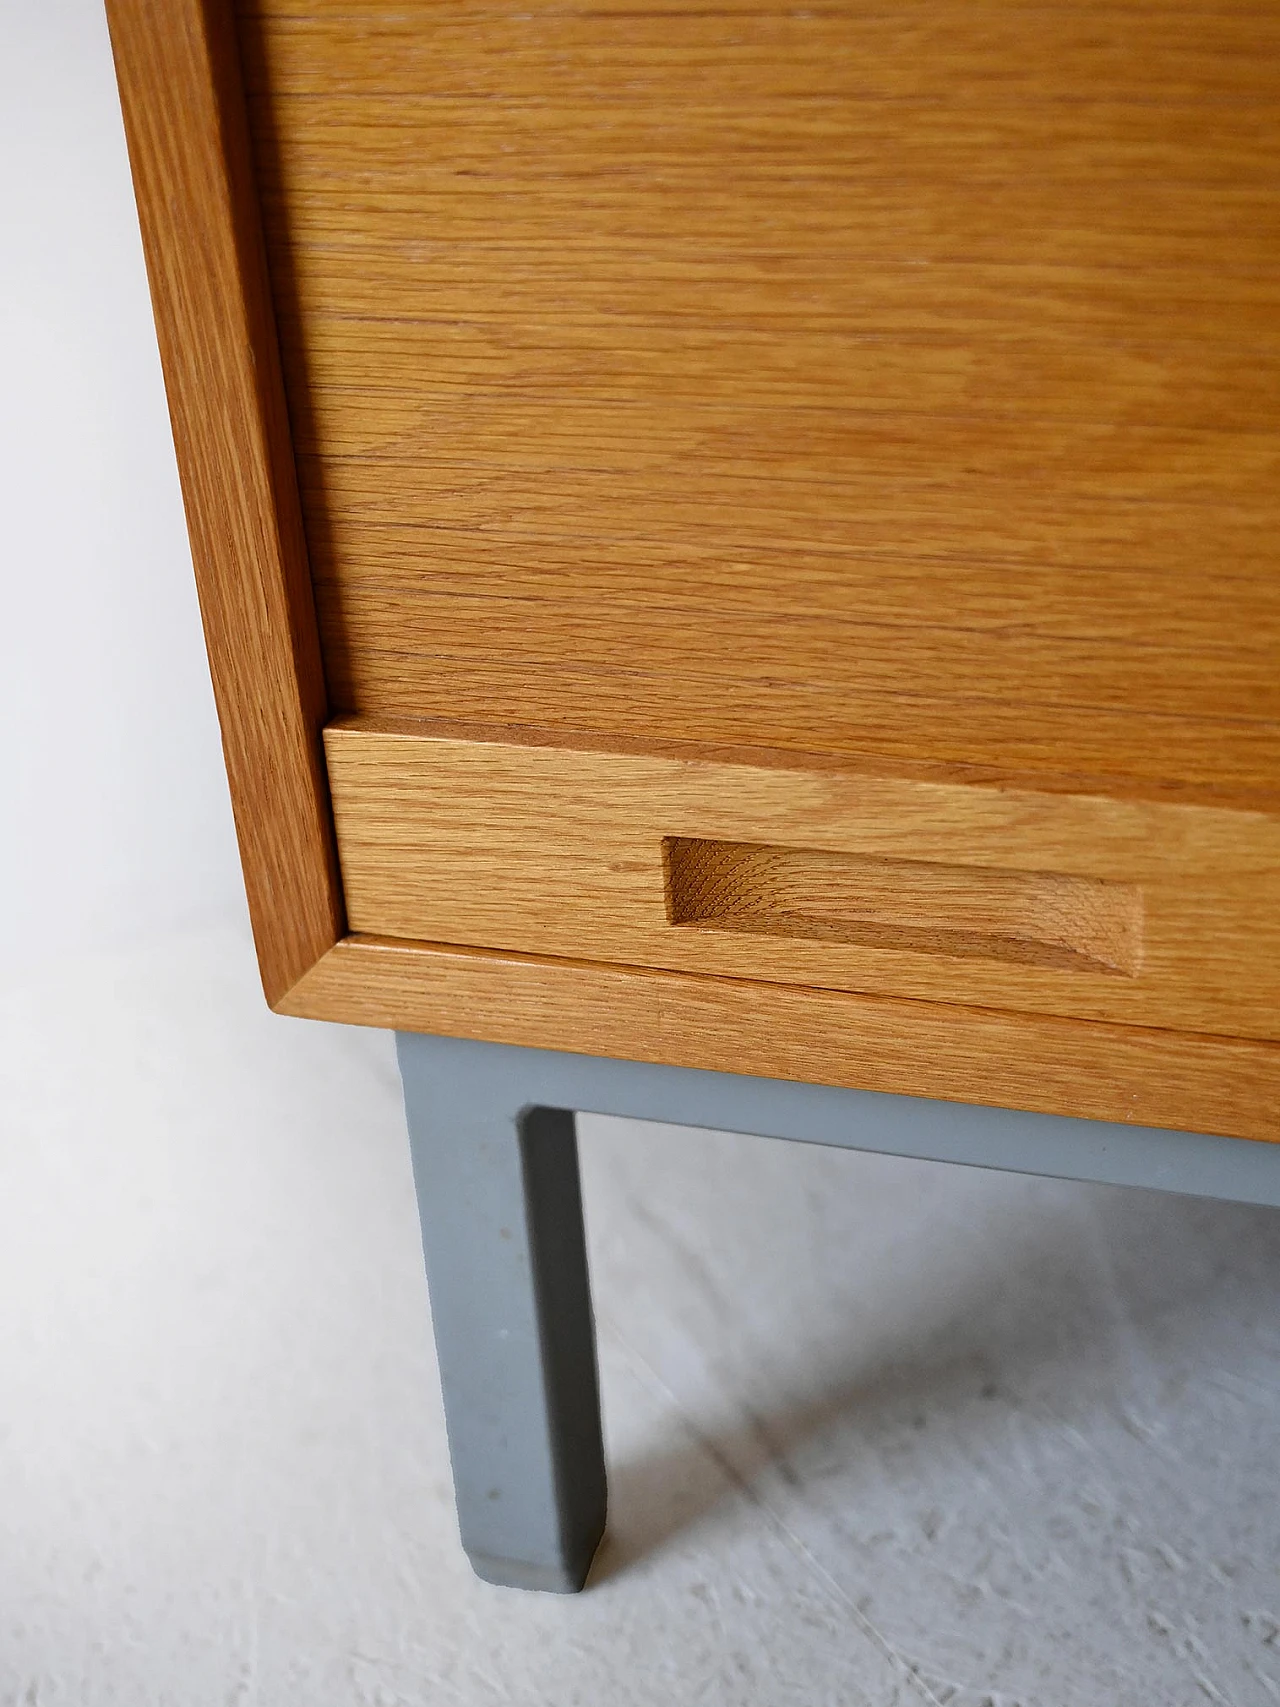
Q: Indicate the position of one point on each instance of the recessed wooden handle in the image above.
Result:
(1030, 918)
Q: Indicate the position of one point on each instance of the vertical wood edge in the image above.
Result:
(177, 64)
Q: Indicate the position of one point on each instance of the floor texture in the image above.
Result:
(880, 1432)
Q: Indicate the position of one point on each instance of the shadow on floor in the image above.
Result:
(1038, 1309)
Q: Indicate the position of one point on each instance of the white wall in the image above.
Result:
(115, 822)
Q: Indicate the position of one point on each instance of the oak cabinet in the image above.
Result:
(744, 538)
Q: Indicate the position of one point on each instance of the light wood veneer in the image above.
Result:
(960, 1054)
(1168, 912)
(178, 71)
(833, 454)
(835, 379)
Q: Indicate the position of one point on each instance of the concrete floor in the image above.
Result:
(880, 1431)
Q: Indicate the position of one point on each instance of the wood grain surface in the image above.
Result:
(848, 437)
(898, 382)
(176, 62)
(1055, 1066)
(550, 847)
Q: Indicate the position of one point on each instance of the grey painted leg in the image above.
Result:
(497, 1171)
(501, 1212)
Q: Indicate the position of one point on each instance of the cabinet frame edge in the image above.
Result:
(178, 70)
(1135, 1075)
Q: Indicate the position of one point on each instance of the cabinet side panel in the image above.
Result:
(177, 65)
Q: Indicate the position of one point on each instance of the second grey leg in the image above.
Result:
(501, 1211)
